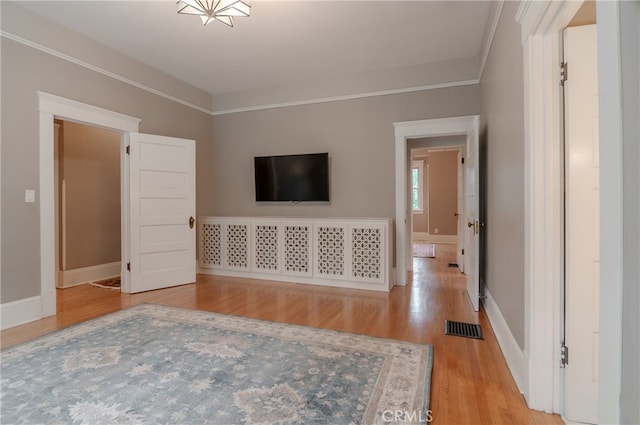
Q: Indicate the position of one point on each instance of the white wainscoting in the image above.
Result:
(347, 253)
(19, 312)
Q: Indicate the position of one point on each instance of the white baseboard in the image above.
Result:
(89, 274)
(515, 357)
(19, 312)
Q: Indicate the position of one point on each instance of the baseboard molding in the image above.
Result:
(513, 354)
(569, 422)
(19, 312)
(368, 286)
(89, 274)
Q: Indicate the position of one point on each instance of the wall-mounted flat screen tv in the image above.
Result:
(292, 178)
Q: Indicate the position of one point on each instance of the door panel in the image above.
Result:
(582, 279)
(161, 203)
(472, 224)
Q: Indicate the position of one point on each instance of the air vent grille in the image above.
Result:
(466, 330)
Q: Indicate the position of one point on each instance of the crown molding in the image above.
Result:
(492, 33)
(348, 97)
(99, 70)
(160, 93)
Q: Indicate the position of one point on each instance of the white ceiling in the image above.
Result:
(282, 42)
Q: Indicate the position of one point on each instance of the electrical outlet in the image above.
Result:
(435, 230)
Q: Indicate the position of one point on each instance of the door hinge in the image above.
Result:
(462, 159)
(564, 73)
(127, 150)
(564, 355)
(462, 251)
(128, 267)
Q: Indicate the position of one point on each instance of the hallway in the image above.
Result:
(470, 383)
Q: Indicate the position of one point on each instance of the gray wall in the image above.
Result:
(26, 70)
(90, 168)
(502, 150)
(630, 57)
(358, 134)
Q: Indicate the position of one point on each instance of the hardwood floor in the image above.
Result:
(471, 383)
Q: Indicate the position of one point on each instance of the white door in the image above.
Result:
(161, 212)
(472, 224)
(459, 215)
(582, 279)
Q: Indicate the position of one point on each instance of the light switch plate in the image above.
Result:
(29, 196)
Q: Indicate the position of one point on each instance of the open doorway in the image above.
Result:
(468, 126)
(88, 205)
(437, 198)
(157, 187)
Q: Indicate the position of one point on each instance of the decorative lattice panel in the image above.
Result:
(297, 257)
(238, 245)
(330, 259)
(210, 245)
(366, 250)
(266, 247)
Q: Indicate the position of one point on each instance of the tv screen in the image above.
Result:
(292, 178)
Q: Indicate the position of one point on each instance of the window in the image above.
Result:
(417, 170)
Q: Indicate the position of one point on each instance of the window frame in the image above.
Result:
(419, 165)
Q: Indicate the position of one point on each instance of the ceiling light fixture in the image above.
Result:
(209, 10)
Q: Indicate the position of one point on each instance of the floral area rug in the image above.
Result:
(111, 283)
(424, 250)
(152, 364)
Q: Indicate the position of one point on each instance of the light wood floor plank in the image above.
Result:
(471, 383)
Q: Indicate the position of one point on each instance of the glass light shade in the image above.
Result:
(220, 10)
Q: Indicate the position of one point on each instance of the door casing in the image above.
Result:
(50, 107)
(408, 130)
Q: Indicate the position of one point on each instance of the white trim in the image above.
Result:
(403, 131)
(19, 312)
(99, 70)
(541, 23)
(611, 209)
(348, 97)
(51, 106)
(513, 354)
(48, 268)
(83, 275)
(62, 107)
(492, 33)
(346, 284)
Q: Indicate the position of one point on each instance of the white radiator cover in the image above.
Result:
(347, 253)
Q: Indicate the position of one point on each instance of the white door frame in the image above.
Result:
(410, 130)
(51, 107)
(541, 24)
